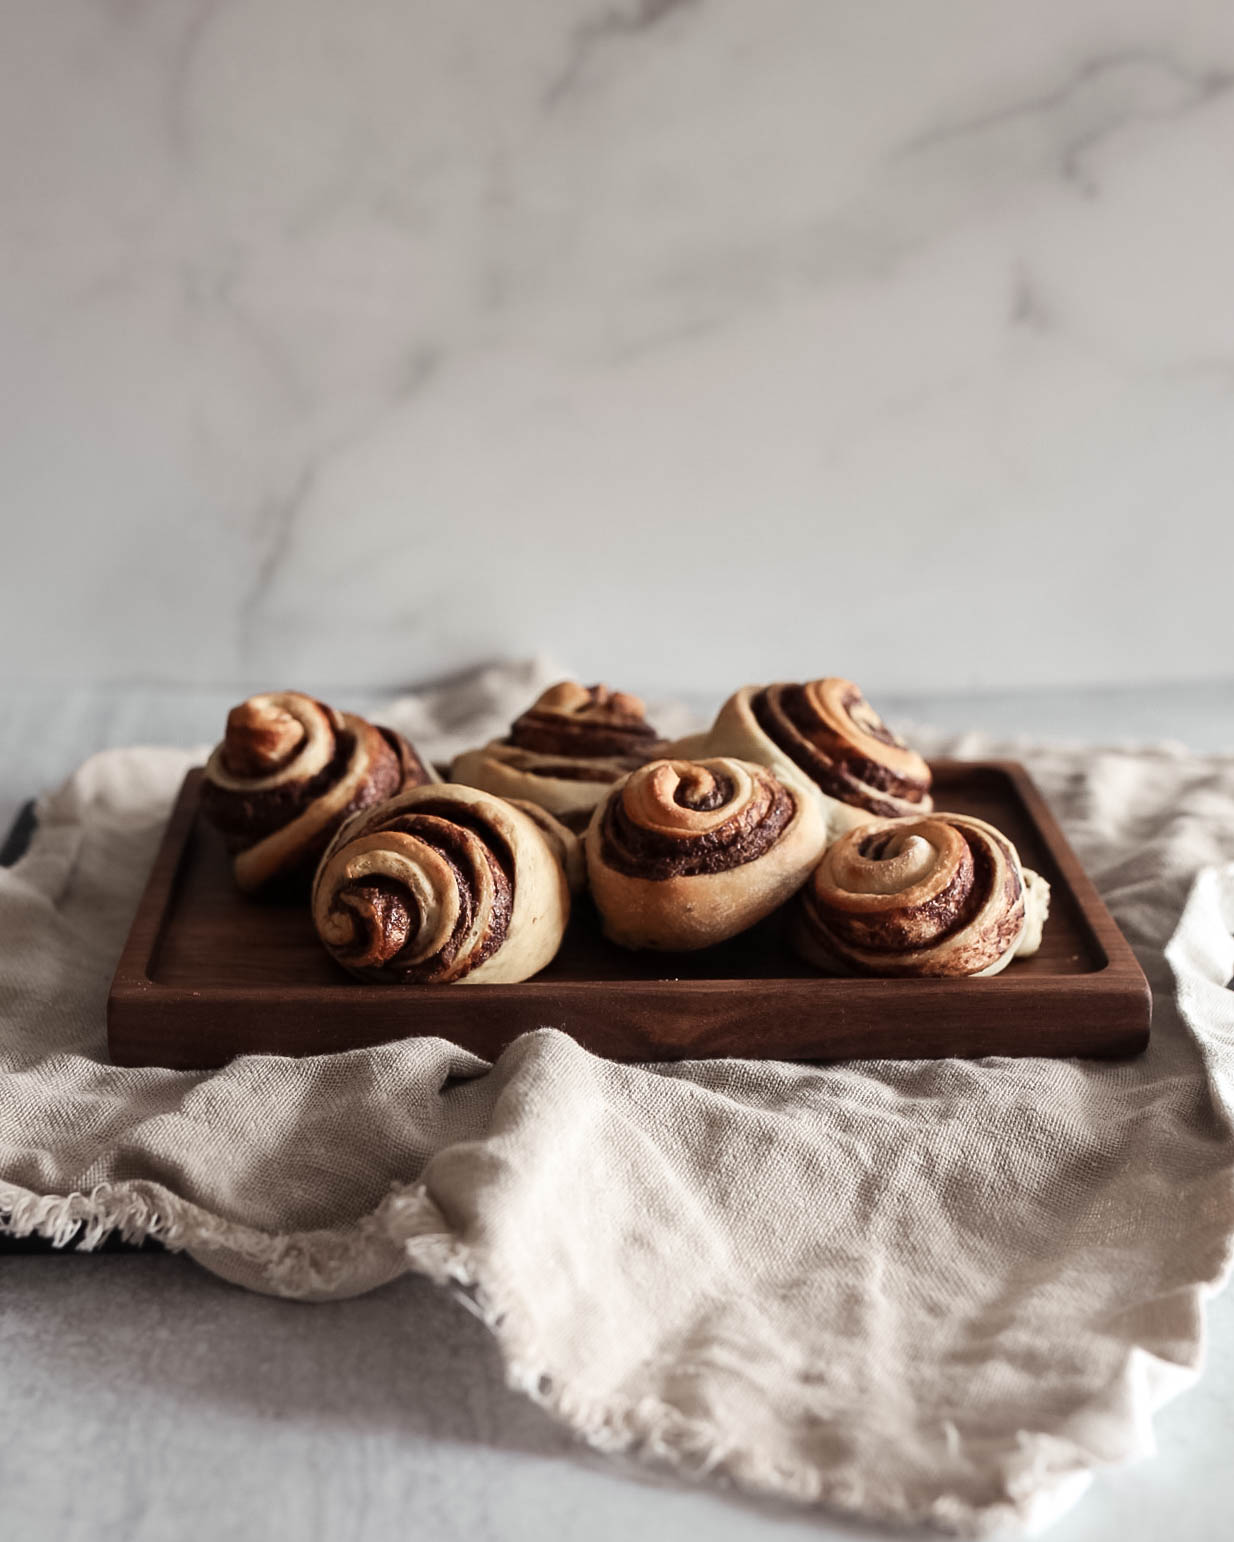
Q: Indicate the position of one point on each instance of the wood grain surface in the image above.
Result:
(208, 973)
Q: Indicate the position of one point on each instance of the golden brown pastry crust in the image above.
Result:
(288, 772)
(442, 885)
(824, 736)
(942, 895)
(565, 751)
(683, 854)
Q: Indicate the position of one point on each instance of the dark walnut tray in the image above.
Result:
(207, 974)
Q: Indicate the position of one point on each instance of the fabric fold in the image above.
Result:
(923, 1291)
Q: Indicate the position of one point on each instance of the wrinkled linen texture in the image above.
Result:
(934, 1291)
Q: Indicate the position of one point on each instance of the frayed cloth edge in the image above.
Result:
(408, 1233)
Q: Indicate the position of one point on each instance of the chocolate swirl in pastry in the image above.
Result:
(565, 751)
(826, 736)
(686, 853)
(288, 772)
(442, 885)
(944, 894)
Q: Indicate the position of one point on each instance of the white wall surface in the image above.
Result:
(694, 341)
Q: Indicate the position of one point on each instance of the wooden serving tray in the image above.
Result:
(207, 974)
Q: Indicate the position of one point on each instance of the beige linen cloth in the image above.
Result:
(938, 1291)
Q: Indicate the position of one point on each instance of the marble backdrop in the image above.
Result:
(691, 340)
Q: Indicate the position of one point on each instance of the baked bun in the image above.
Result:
(567, 847)
(442, 885)
(825, 736)
(288, 772)
(683, 854)
(943, 894)
(565, 751)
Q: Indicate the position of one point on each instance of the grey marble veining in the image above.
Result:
(684, 338)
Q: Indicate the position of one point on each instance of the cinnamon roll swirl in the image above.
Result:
(565, 751)
(683, 854)
(944, 894)
(442, 885)
(288, 772)
(825, 736)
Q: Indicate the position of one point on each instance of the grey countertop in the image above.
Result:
(140, 1398)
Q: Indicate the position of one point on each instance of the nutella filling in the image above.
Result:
(601, 731)
(244, 818)
(752, 830)
(385, 916)
(248, 817)
(440, 825)
(918, 926)
(718, 790)
(463, 816)
(944, 916)
(413, 771)
(785, 715)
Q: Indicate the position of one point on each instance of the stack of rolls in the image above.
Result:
(799, 799)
